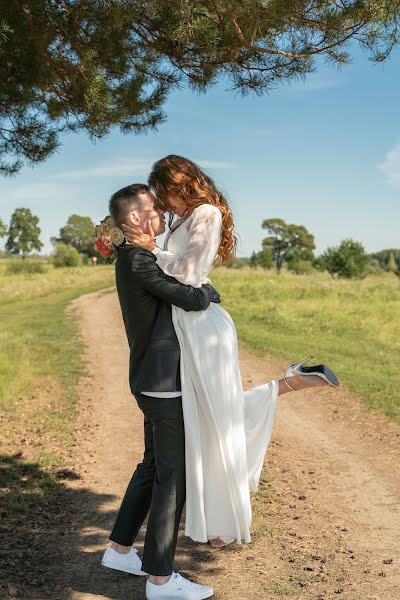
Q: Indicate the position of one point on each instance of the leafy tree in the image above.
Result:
(66, 256)
(285, 239)
(262, 259)
(383, 256)
(253, 260)
(78, 233)
(265, 258)
(302, 267)
(92, 65)
(300, 261)
(3, 229)
(319, 263)
(24, 232)
(374, 268)
(347, 260)
(392, 265)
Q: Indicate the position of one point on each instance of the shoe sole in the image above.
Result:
(325, 371)
(124, 570)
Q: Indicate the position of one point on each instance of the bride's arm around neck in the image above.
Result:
(195, 256)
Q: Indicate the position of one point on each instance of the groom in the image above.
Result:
(157, 487)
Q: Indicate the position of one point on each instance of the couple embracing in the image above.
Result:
(205, 438)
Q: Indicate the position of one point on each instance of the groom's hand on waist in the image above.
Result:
(212, 293)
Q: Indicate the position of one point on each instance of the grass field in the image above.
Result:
(40, 351)
(27, 286)
(352, 325)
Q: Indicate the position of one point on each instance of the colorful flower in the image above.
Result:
(106, 236)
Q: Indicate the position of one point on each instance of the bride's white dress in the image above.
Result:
(227, 430)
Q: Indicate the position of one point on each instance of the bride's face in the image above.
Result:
(176, 205)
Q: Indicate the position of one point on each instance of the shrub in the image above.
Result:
(392, 265)
(347, 260)
(262, 259)
(319, 263)
(374, 268)
(302, 267)
(66, 256)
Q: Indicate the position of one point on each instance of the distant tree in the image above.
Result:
(3, 229)
(300, 261)
(70, 66)
(78, 233)
(301, 267)
(285, 239)
(347, 260)
(66, 256)
(262, 259)
(374, 267)
(383, 256)
(23, 233)
(265, 258)
(392, 265)
(319, 263)
(253, 259)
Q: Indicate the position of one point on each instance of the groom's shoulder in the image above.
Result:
(136, 256)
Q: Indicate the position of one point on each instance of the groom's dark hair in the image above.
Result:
(126, 200)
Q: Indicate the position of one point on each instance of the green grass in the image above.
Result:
(352, 325)
(40, 364)
(39, 345)
(16, 287)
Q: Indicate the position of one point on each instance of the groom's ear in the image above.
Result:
(133, 217)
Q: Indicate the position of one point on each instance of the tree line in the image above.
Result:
(293, 246)
(72, 247)
(287, 246)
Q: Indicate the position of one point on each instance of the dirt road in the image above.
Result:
(326, 518)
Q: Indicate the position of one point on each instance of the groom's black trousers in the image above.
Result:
(157, 485)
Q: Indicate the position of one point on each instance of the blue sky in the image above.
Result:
(324, 154)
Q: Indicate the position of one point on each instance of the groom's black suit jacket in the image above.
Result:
(146, 294)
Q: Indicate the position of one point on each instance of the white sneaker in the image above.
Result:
(130, 562)
(178, 588)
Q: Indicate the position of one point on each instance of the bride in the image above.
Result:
(227, 430)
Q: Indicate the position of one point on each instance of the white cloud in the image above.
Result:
(128, 167)
(116, 168)
(214, 164)
(320, 83)
(391, 166)
(314, 82)
(37, 190)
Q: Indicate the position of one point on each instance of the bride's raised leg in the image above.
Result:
(300, 382)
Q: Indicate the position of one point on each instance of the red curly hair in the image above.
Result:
(180, 177)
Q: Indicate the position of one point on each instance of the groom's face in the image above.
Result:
(149, 211)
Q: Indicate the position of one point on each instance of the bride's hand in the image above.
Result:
(134, 235)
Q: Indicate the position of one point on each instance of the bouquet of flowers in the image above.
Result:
(106, 237)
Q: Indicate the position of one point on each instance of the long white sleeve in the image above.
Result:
(193, 265)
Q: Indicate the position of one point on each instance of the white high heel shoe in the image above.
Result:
(320, 370)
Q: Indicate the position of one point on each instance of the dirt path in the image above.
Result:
(326, 518)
